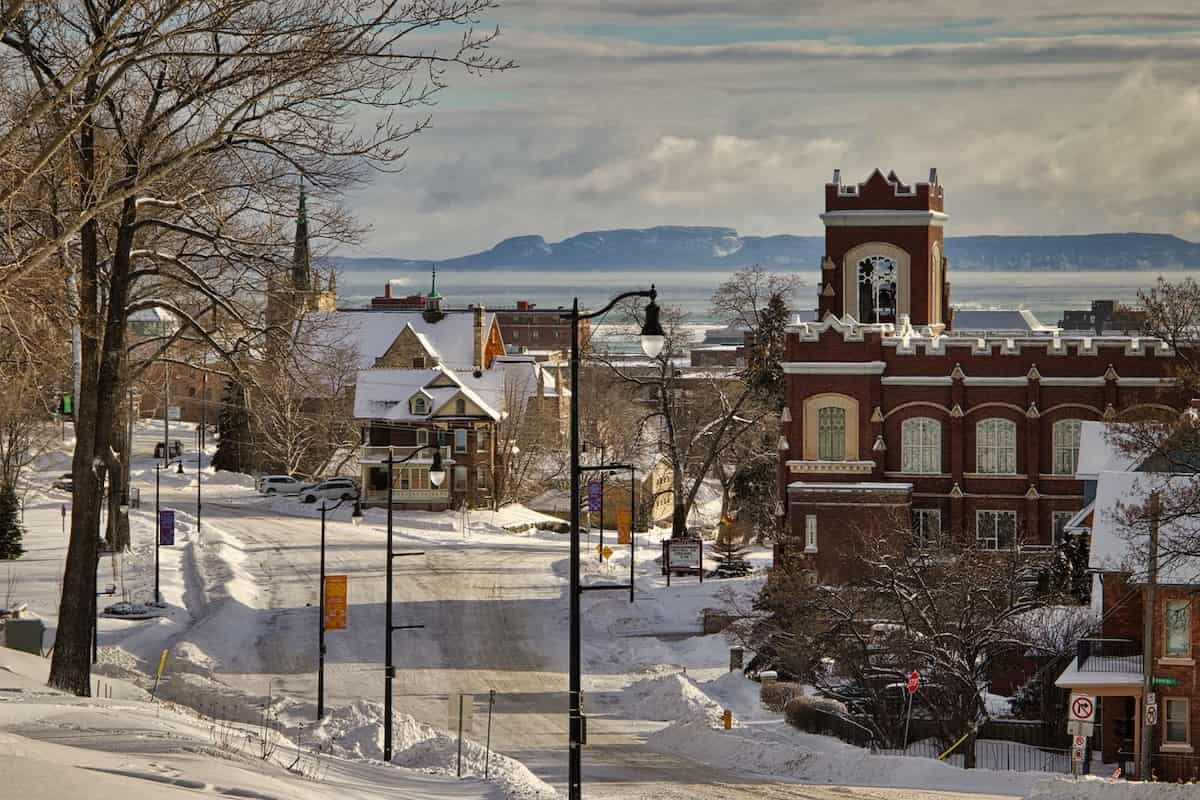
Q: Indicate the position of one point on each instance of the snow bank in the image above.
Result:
(672, 698)
(1094, 788)
(356, 731)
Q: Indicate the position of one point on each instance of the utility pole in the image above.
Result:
(1148, 613)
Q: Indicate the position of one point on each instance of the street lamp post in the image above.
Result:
(355, 517)
(199, 479)
(437, 474)
(652, 341)
(158, 468)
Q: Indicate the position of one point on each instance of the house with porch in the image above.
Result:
(1113, 664)
(437, 376)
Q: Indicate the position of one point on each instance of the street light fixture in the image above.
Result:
(652, 340)
(437, 474)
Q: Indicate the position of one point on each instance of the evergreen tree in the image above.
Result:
(11, 531)
(233, 426)
(730, 555)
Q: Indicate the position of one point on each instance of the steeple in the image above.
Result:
(301, 260)
(433, 292)
(433, 301)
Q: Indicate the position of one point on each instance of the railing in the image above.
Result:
(1108, 655)
(375, 454)
(406, 495)
(1164, 767)
(995, 754)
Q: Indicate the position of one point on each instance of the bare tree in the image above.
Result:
(179, 127)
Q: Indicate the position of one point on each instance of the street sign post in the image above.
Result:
(1160, 680)
(1076, 728)
(914, 680)
(335, 602)
(684, 555)
(166, 527)
(1151, 710)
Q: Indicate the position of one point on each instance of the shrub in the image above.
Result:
(11, 531)
(776, 694)
(814, 714)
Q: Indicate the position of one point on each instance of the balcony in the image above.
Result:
(1109, 655)
(378, 455)
(373, 497)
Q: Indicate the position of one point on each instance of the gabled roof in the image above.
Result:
(1118, 548)
(1098, 453)
(372, 333)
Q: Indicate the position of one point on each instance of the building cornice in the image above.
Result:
(833, 367)
(884, 218)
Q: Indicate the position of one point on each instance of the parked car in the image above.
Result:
(175, 452)
(279, 484)
(66, 482)
(332, 489)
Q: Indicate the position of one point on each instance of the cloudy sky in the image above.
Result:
(1041, 117)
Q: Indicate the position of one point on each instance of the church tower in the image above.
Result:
(884, 251)
(301, 258)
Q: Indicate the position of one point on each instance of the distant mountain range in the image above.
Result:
(678, 247)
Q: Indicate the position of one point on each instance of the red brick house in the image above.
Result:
(968, 430)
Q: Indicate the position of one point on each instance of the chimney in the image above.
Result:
(478, 334)
(387, 290)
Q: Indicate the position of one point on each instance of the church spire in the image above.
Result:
(433, 292)
(301, 260)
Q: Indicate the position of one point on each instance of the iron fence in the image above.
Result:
(1165, 767)
(994, 754)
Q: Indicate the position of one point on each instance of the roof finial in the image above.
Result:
(433, 292)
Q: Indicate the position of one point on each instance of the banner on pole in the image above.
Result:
(335, 602)
(595, 493)
(624, 526)
(166, 527)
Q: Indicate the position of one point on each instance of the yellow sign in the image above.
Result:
(162, 662)
(605, 552)
(624, 526)
(335, 602)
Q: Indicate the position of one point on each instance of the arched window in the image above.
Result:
(921, 446)
(877, 289)
(419, 405)
(1066, 446)
(996, 447)
(831, 434)
(935, 285)
(460, 407)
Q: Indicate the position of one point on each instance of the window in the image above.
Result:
(460, 440)
(420, 406)
(418, 362)
(377, 479)
(481, 440)
(405, 480)
(1066, 446)
(480, 476)
(460, 407)
(921, 446)
(422, 437)
(810, 533)
(996, 447)
(831, 434)
(877, 289)
(927, 528)
(995, 530)
(1178, 626)
(460, 479)
(1061, 518)
(1176, 721)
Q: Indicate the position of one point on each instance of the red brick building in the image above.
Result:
(972, 436)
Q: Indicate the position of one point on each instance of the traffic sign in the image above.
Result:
(604, 551)
(1083, 708)
(1078, 741)
(914, 680)
(1159, 680)
(1077, 754)
(1076, 728)
(595, 496)
(1151, 716)
(624, 526)
(335, 602)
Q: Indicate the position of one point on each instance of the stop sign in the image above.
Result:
(914, 679)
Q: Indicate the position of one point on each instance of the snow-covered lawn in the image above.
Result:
(1094, 788)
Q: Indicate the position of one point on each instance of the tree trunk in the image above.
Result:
(968, 750)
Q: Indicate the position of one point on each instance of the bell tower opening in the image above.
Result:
(877, 278)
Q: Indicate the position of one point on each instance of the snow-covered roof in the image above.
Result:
(383, 394)
(451, 338)
(1118, 548)
(1097, 453)
(1009, 320)
(1129, 675)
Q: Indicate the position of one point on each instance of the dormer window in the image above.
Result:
(418, 362)
(420, 405)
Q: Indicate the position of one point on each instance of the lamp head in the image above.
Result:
(653, 338)
(437, 471)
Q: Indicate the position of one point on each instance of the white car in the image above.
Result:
(279, 484)
(332, 489)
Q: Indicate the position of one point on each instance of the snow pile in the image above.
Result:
(1094, 788)
(356, 731)
(673, 698)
